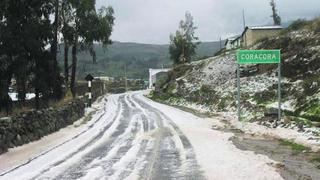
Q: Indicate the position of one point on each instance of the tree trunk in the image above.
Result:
(66, 63)
(4, 95)
(54, 46)
(37, 99)
(74, 68)
(21, 86)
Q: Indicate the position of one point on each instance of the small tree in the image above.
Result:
(275, 16)
(184, 43)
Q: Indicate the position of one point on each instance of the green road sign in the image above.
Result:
(258, 56)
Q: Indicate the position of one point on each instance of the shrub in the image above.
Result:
(316, 25)
(296, 25)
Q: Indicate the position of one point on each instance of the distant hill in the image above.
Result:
(137, 57)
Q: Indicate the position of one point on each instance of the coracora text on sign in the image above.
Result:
(259, 56)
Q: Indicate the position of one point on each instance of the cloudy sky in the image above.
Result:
(152, 21)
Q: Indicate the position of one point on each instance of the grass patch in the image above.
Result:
(65, 100)
(316, 158)
(297, 148)
(265, 97)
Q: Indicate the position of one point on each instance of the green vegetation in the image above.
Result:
(300, 24)
(137, 57)
(297, 148)
(88, 26)
(310, 110)
(25, 35)
(25, 31)
(311, 84)
(265, 97)
(275, 16)
(161, 97)
(316, 158)
(184, 43)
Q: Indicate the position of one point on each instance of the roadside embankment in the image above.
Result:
(210, 85)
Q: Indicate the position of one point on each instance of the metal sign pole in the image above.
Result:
(238, 94)
(90, 95)
(279, 92)
(259, 57)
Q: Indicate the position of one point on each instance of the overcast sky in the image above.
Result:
(152, 21)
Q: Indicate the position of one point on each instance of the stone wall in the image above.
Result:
(32, 125)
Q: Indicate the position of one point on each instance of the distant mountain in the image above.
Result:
(137, 57)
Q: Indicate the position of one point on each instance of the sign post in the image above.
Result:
(89, 78)
(238, 94)
(259, 57)
(279, 93)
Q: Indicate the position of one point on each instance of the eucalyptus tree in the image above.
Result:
(275, 16)
(89, 27)
(26, 31)
(184, 43)
(67, 32)
(4, 61)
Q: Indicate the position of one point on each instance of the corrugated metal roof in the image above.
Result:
(265, 27)
(261, 28)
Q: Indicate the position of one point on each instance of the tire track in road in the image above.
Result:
(167, 151)
(164, 160)
(138, 142)
(79, 169)
(135, 164)
(83, 147)
(122, 140)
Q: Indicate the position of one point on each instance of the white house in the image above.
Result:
(230, 42)
(236, 43)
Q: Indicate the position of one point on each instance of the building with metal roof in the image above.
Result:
(229, 44)
(253, 34)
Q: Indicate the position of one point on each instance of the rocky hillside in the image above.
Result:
(211, 83)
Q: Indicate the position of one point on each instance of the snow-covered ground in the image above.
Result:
(210, 86)
(306, 138)
(14, 96)
(217, 156)
(132, 137)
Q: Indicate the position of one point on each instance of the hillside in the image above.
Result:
(210, 84)
(138, 58)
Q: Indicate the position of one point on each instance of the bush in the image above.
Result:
(311, 85)
(298, 24)
(316, 25)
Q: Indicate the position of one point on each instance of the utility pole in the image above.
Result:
(244, 19)
(244, 27)
(220, 43)
(125, 77)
